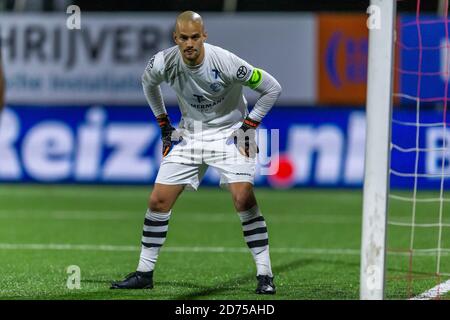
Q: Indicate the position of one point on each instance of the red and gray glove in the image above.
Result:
(244, 138)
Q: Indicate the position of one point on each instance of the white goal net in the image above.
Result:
(406, 223)
(418, 233)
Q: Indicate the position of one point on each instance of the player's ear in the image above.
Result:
(205, 35)
(174, 36)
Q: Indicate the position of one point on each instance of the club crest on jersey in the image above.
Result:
(216, 86)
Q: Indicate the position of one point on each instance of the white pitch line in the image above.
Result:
(106, 247)
(433, 293)
(55, 246)
(76, 193)
(89, 247)
(216, 217)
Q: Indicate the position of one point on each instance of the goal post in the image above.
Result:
(377, 148)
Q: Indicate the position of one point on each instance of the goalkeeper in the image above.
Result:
(215, 130)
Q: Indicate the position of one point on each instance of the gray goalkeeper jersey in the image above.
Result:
(210, 92)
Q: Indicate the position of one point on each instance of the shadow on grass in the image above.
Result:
(235, 283)
(179, 284)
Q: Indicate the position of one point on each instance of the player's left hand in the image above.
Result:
(169, 135)
(244, 138)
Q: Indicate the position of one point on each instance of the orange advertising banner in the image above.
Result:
(343, 49)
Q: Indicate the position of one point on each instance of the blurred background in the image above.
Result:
(76, 112)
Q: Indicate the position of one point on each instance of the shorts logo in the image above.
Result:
(242, 72)
(243, 174)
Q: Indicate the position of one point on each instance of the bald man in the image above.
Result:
(216, 130)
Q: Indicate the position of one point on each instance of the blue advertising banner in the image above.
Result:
(425, 163)
(424, 58)
(306, 147)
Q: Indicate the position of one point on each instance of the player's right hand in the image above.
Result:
(168, 134)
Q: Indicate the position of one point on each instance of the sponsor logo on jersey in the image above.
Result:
(208, 105)
(200, 99)
(216, 73)
(241, 72)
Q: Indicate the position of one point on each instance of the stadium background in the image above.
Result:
(76, 115)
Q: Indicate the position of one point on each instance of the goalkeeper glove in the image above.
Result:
(244, 138)
(169, 139)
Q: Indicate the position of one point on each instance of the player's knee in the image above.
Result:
(244, 200)
(158, 203)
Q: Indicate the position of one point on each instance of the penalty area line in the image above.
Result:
(435, 292)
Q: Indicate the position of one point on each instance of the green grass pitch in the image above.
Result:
(314, 239)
